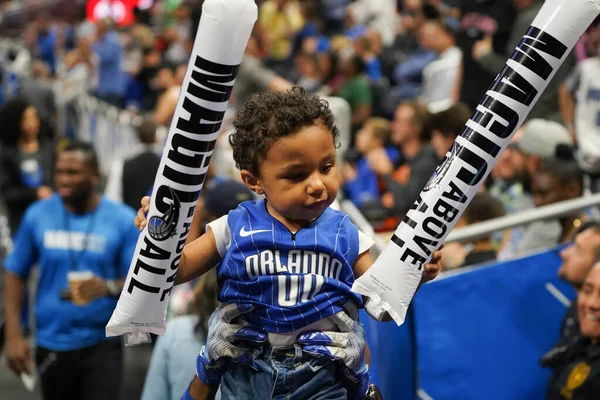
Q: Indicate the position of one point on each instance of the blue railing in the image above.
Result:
(474, 334)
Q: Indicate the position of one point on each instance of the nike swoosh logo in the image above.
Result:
(245, 233)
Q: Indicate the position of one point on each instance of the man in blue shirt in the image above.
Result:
(75, 230)
(46, 41)
(109, 53)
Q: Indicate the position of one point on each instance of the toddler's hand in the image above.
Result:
(432, 269)
(140, 218)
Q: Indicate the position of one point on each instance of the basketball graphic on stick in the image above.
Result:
(163, 227)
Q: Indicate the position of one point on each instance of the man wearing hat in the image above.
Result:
(548, 143)
(224, 197)
(541, 140)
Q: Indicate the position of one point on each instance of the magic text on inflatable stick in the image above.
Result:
(223, 33)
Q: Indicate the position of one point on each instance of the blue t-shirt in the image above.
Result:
(110, 75)
(292, 280)
(32, 174)
(47, 48)
(365, 187)
(102, 241)
(373, 69)
(409, 73)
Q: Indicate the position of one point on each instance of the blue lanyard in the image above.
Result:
(75, 258)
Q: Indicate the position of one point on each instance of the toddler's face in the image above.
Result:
(299, 175)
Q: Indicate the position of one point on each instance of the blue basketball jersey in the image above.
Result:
(291, 279)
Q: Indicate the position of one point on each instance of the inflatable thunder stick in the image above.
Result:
(221, 40)
(392, 281)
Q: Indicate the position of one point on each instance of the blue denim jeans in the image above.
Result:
(283, 373)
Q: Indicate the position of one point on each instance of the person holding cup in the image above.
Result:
(76, 281)
(83, 244)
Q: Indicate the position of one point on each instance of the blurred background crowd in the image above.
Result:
(409, 74)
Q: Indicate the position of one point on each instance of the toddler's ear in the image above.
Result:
(251, 181)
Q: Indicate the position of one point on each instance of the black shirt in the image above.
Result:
(138, 176)
(570, 325)
(479, 257)
(420, 168)
(480, 18)
(20, 176)
(575, 364)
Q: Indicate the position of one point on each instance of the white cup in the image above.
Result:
(75, 278)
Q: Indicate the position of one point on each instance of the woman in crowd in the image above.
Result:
(26, 159)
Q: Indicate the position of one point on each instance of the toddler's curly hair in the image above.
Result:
(269, 116)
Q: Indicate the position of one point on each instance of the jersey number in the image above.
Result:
(292, 289)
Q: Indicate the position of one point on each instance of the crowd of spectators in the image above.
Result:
(411, 71)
